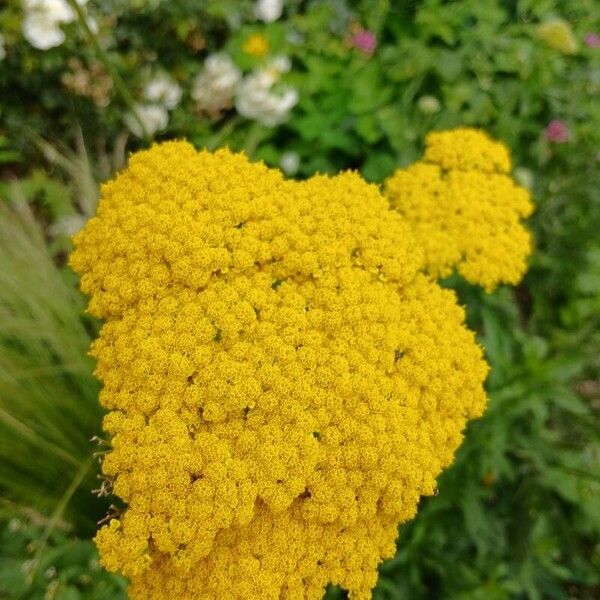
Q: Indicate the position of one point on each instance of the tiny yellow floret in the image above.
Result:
(464, 208)
(283, 383)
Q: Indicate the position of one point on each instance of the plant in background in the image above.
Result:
(558, 34)
(66, 567)
(284, 384)
(464, 209)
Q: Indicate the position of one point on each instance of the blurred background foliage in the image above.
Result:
(518, 514)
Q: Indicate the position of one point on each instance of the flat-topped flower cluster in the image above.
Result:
(283, 381)
(464, 208)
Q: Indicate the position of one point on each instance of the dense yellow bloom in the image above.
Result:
(283, 383)
(256, 45)
(464, 208)
(558, 34)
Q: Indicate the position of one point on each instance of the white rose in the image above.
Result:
(268, 10)
(256, 100)
(153, 116)
(42, 33)
(214, 88)
(163, 90)
(56, 11)
(42, 20)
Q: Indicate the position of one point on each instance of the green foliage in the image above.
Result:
(66, 569)
(517, 515)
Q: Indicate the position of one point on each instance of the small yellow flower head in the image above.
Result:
(283, 383)
(256, 45)
(464, 208)
(558, 34)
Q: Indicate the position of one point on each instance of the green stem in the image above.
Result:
(118, 81)
(30, 435)
(215, 140)
(57, 514)
(253, 138)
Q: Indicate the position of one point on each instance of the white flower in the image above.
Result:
(42, 33)
(268, 10)
(429, 105)
(153, 116)
(525, 177)
(281, 64)
(2, 48)
(163, 90)
(215, 86)
(257, 100)
(42, 21)
(57, 11)
(289, 162)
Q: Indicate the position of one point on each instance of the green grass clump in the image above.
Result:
(48, 397)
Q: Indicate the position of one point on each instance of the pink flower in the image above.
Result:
(365, 41)
(592, 40)
(557, 131)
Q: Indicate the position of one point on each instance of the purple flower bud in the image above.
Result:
(365, 41)
(557, 132)
(592, 40)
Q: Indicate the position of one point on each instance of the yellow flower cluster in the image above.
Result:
(283, 383)
(256, 45)
(464, 208)
(558, 35)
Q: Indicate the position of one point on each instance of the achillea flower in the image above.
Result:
(464, 208)
(558, 34)
(557, 132)
(256, 45)
(283, 384)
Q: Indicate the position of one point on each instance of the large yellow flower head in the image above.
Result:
(464, 208)
(283, 383)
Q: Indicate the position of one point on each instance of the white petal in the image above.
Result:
(268, 10)
(42, 33)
